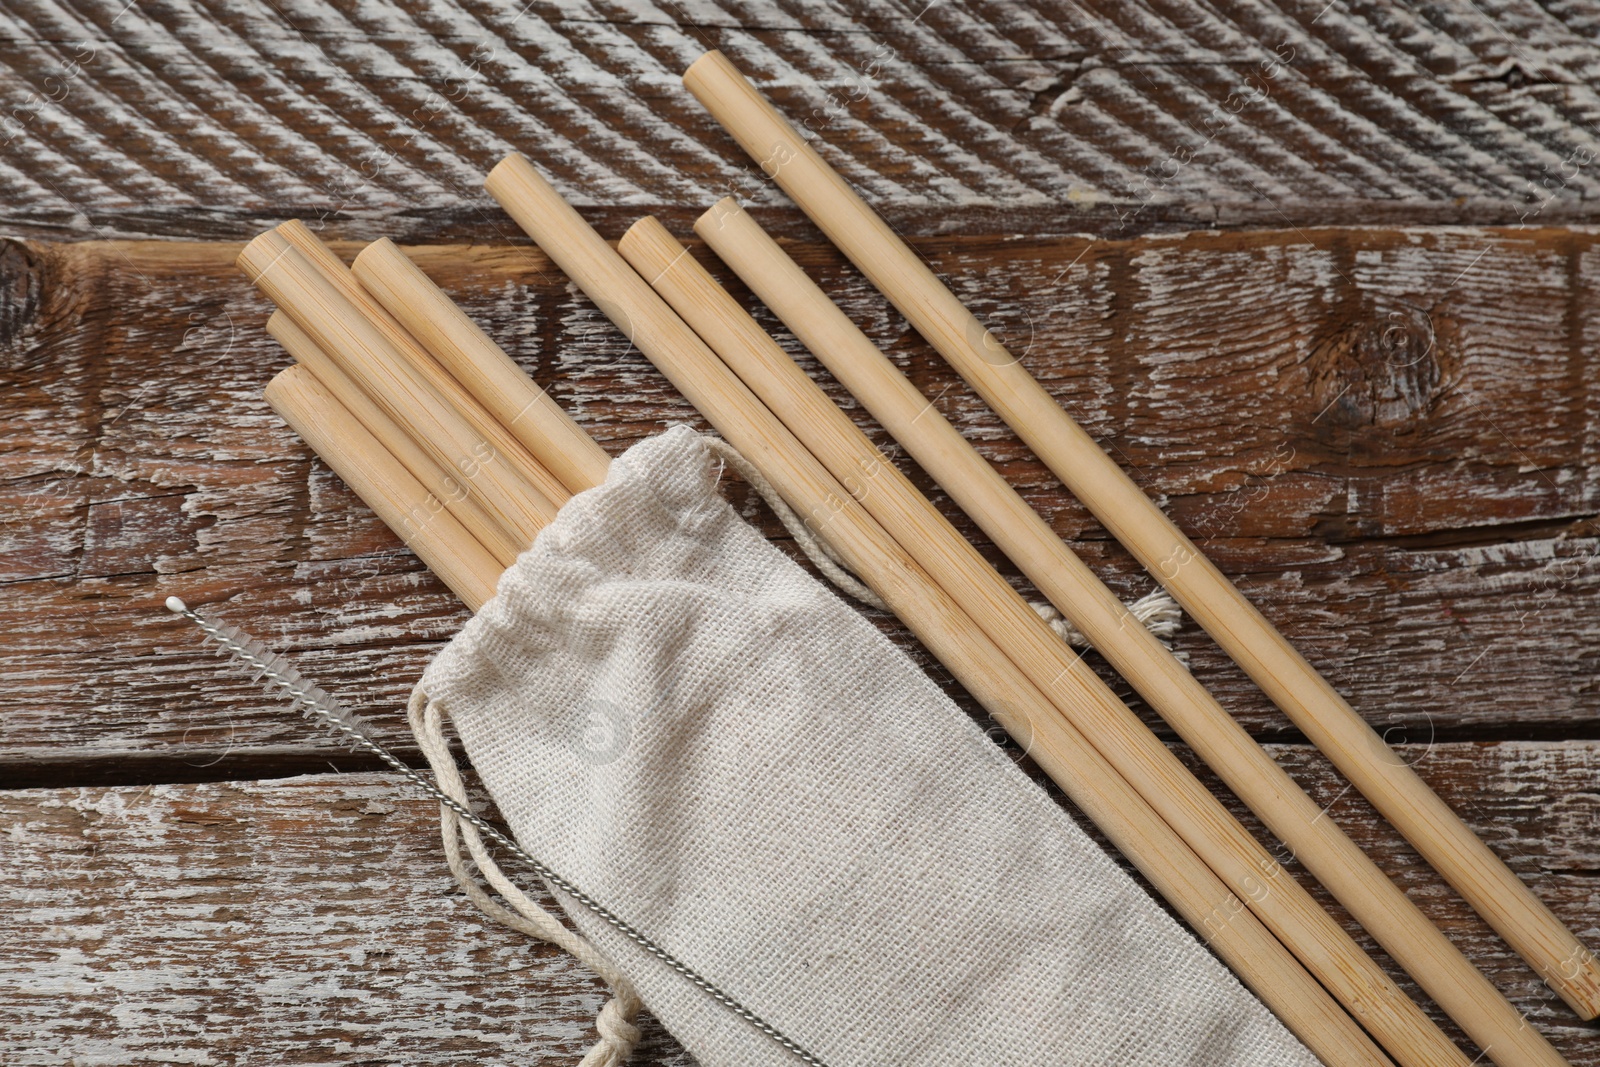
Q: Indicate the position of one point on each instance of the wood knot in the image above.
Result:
(22, 298)
(1384, 368)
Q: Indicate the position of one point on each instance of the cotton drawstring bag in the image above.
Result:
(679, 719)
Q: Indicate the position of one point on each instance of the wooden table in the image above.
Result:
(1320, 276)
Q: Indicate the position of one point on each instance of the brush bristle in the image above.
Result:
(278, 677)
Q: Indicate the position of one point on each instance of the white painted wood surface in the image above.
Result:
(188, 118)
(305, 920)
(311, 920)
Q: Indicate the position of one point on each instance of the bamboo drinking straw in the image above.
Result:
(481, 366)
(931, 614)
(907, 516)
(383, 482)
(1094, 477)
(445, 490)
(507, 447)
(1316, 840)
(338, 328)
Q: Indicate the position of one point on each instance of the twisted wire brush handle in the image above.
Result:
(317, 704)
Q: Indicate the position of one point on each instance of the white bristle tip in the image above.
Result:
(176, 605)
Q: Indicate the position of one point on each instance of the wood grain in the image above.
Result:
(1396, 521)
(307, 920)
(312, 920)
(1386, 437)
(194, 119)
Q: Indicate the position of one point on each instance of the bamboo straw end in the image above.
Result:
(275, 323)
(646, 227)
(515, 168)
(287, 378)
(711, 64)
(718, 215)
(371, 257)
(650, 248)
(261, 253)
(288, 384)
(527, 194)
(294, 229)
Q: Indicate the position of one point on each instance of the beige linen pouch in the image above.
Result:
(676, 717)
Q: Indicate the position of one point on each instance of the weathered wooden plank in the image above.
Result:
(1386, 436)
(308, 920)
(312, 919)
(188, 118)
(1536, 804)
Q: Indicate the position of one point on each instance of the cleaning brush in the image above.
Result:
(279, 677)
